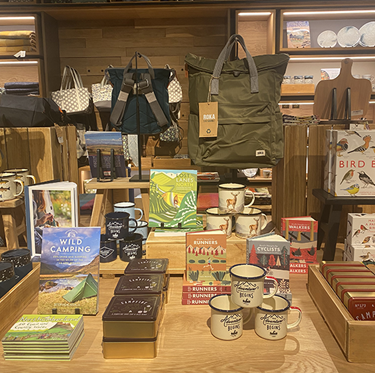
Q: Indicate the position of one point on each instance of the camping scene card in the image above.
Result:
(69, 272)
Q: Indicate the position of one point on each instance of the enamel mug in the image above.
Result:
(247, 286)
(128, 207)
(250, 222)
(217, 220)
(8, 186)
(226, 318)
(232, 198)
(271, 318)
(23, 175)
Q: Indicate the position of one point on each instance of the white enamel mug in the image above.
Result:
(23, 175)
(232, 198)
(271, 318)
(8, 186)
(226, 318)
(250, 222)
(218, 220)
(247, 286)
(128, 207)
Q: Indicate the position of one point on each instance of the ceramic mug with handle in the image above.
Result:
(8, 186)
(128, 207)
(271, 318)
(218, 220)
(232, 198)
(23, 175)
(250, 222)
(247, 286)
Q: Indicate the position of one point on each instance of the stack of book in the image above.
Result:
(43, 337)
(360, 238)
(302, 233)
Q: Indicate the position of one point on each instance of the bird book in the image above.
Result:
(302, 233)
(206, 257)
(173, 199)
(69, 271)
(47, 205)
(362, 253)
(352, 163)
(271, 251)
(360, 229)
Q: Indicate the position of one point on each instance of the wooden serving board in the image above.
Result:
(360, 94)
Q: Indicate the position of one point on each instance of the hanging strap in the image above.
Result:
(119, 108)
(224, 55)
(145, 87)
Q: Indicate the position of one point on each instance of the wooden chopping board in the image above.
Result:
(361, 90)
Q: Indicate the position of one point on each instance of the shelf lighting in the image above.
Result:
(18, 62)
(369, 11)
(254, 13)
(296, 103)
(16, 18)
(336, 58)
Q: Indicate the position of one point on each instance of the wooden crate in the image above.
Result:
(354, 337)
(39, 150)
(15, 301)
(174, 248)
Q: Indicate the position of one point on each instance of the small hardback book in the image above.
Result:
(49, 205)
(191, 287)
(271, 252)
(173, 198)
(302, 233)
(206, 257)
(69, 271)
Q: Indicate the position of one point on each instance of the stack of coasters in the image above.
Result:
(8, 278)
(354, 284)
(21, 259)
(150, 267)
(130, 326)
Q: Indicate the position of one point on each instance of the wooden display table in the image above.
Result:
(104, 198)
(9, 211)
(186, 344)
(174, 248)
(329, 220)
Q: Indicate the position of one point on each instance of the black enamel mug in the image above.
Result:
(108, 249)
(117, 225)
(131, 248)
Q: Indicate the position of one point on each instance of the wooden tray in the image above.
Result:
(354, 337)
(16, 300)
(290, 89)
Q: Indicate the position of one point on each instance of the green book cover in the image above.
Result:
(173, 198)
(48, 329)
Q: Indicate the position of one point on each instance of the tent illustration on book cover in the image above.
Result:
(85, 289)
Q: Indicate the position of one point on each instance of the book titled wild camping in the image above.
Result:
(105, 141)
(302, 233)
(173, 198)
(43, 337)
(51, 204)
(69, 272)
(206, 256)
(271, 252)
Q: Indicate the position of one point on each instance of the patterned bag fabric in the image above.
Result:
(102, 94)
(174, 88)
(72, 100)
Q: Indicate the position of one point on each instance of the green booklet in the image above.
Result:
(173, 199)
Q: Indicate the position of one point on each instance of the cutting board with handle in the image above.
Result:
(361, 90)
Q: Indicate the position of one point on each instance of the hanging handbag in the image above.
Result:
(250, 132)
(102, 93)
(72, 100)
(152, 97)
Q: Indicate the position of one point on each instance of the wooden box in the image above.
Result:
(15, 301)
(292, 89)
(354, 337)
(162, 162)
(39, 150)
(174, 248)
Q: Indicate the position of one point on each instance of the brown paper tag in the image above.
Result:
(208, 119)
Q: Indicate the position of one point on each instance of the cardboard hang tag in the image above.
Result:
(208, 119)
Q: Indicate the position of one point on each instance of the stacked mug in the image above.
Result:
(124, 231)
(247, 291)
(248, 221)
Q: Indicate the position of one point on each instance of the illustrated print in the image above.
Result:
(341, 147)
(352, 190)
(232, 201)
(348, 176)
(224, 227)
(364, 147)
(365, 179)
(253, 228)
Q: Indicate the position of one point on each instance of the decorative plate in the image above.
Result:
(348, 36)
(367, 35)
(327, 39)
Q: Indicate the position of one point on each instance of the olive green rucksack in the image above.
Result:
(250, 131)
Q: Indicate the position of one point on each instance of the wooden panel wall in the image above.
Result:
(91, 46)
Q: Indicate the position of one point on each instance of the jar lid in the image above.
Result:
(140, 284)
(6, 271)
(298, 77)
(19, 257)
(309, 77)
(286, 76)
